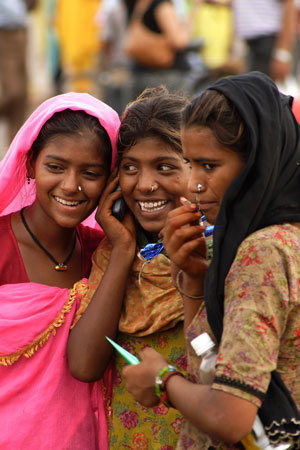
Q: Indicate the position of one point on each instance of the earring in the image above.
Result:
(79, 188)
(28, 179)
(199, 187)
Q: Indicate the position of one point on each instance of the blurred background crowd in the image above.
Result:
(48, 47)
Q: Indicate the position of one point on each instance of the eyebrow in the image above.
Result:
(160, 158)
(203, 159)
(59, 158)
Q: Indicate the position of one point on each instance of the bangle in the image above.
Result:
(282, 55)
(180, 289)
(161, 380)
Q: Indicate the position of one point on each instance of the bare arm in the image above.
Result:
(89, 352)
(281, 65)
(176, 33)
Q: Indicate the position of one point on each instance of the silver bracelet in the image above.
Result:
(282, 55)
(180, 289)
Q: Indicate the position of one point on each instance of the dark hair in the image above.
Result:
(155, 113)
(70, 122)
(129, 6)
(213, 110)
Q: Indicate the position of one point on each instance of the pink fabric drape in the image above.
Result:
(41, 405)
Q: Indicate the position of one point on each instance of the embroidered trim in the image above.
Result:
(107, 401)
(278, 433)
(238, 384)
(284, 431)
(84, 303)
(40, 341)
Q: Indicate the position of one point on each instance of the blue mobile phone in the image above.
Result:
(119, 207)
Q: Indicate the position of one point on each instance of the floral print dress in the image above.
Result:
(152, 315)
(261, 325)
(132, 426)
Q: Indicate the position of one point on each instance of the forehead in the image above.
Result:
(84, 145)
(201, 143)
(151, 148)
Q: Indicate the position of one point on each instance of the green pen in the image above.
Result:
(131, 359)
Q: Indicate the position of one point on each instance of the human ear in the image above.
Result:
(30, 165)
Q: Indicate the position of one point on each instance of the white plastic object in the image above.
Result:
(205, 347)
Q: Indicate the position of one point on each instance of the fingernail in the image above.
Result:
(185, 201)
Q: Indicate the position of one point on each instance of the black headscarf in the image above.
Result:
(266, 192)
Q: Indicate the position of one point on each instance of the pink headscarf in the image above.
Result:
(15, 193)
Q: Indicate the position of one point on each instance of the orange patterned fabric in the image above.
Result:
(152, 301)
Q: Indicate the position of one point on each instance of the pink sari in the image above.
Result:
(41, 405)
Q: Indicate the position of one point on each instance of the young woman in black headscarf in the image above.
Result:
(242, 142)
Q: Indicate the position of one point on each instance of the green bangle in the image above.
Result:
(161, 380)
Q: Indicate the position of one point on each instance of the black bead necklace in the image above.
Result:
(58, 266)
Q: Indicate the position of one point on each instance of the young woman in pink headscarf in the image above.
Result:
(51, 180)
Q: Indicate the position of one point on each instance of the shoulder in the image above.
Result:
(6, 232)
(281, 238)
(157, 3)
(5, 224)
(268, 258)
(90, 238)
(86, 232)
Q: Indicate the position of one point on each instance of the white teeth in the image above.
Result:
(152, 206)
(65, 202)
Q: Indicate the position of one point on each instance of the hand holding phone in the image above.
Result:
(119, 207)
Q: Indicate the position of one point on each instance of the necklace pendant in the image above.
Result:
(61, 267)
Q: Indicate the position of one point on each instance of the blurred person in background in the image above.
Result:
(114, 77)
(79, 43)
(162, 17)
(212, 21)
(296, 70)
(13, 70)
(268, 27)
(52, 45)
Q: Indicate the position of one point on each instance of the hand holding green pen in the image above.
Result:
(131, 359)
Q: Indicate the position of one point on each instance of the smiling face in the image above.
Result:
(151, 162)
(213, 165)
(62, 165)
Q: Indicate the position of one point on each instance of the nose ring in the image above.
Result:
(153, 188)
(79, 188)
(199, 187)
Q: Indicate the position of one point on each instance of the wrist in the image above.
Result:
(282, 55)
(161, 380)
(188, 286)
